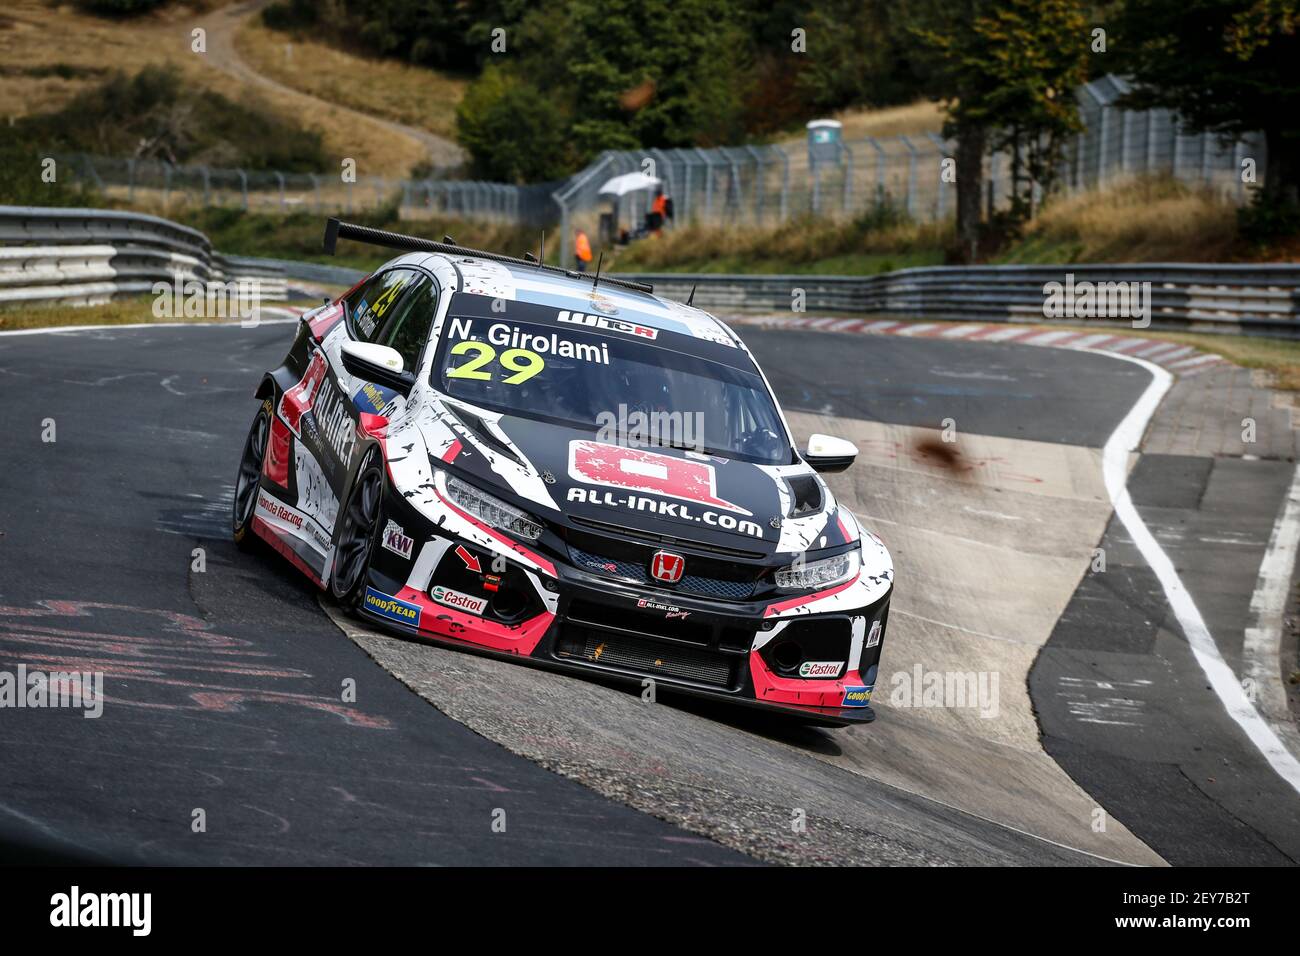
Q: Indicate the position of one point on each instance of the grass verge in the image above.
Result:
(135, 310)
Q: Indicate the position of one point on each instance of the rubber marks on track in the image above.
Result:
(1177, 358)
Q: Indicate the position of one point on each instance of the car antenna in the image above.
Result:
(449, 240)
(599, 260)
(691, 298)
(540, 258)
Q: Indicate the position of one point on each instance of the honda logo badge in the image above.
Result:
(667, 567)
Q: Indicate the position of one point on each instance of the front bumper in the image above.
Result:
(574, 620)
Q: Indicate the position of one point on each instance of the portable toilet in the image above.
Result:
(825, 140)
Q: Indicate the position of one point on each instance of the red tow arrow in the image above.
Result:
(471, 562)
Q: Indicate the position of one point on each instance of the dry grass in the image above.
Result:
(118, 312)
(1138, 220)
(790, 246)
(915, 118)
(412, 95)
(37, 36)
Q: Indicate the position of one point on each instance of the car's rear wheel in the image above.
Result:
(249, 477)
(357, 531)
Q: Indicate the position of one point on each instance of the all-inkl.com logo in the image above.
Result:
(385, 605)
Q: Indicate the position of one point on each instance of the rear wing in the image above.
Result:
(336, 230)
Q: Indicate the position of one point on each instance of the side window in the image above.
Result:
(370, 307)
(408, 327)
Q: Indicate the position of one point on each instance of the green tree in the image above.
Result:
(618, 74)
(513, 134)
(1225, 66)
(1005, 71)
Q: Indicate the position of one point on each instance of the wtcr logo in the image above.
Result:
(1098, 300)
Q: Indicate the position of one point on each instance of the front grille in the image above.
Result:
(640, 574)
(657, 625)
(621, 651)
(664, 540)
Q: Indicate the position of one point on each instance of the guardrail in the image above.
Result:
(1245, 299)
(1229, 298)
(86, 256)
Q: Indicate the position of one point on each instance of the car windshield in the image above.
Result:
(628, 390)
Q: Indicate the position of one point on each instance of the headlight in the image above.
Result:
(819, 574)
(493, 512)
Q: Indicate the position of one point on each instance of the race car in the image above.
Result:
(497, 454)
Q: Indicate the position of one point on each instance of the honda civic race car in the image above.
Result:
(496, 454)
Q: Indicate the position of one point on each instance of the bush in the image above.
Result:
(157, 114)
(513, 134)
(21, 183)
(1262, 221)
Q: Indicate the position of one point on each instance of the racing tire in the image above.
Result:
(358, 524)
(248, 480)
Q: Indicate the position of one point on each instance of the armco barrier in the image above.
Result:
(1251, 299)
(83, 256)
(1232, 298)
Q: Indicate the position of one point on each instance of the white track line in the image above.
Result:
(1261, 649)
(1126, 438)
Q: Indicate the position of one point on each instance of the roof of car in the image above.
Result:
(551, 288)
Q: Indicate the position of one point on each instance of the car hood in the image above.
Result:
(568, 476)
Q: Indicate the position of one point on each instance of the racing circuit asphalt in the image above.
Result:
(226, 685)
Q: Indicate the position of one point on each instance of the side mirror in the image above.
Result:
(377, 363)
(829, 454)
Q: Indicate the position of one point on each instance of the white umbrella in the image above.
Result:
(628, 183)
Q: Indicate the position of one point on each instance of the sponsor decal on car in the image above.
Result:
(873, 636)
(669, 509)
(635, 469)
(820, 668)
(385, 605)
(856, 696)
(612, 325)
(330, 413)
(372, 398)
(396, 540)
(279, 511)
(669, 610)
(315, 497)
(458, 600)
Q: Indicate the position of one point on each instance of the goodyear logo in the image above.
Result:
(856, 696)
(372, 398)
(385, 605)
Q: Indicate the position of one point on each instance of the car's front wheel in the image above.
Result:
(357, 531)
(249, 477)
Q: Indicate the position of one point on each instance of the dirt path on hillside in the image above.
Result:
(223, 25)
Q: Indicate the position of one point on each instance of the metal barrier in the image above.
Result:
(87, 256)
(1246, 299)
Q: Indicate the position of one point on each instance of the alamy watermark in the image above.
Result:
(68, 690)
(642, 429)
(1098, 300)
(974, 690)
(195, 299)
